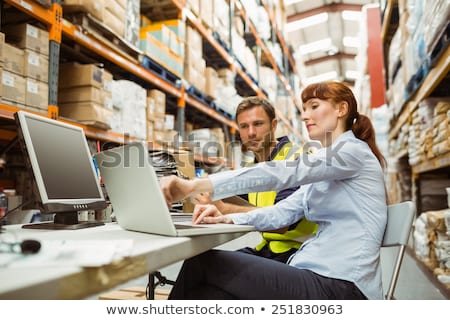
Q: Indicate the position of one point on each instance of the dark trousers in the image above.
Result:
(221, 275)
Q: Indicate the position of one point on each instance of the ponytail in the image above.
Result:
(363, 129)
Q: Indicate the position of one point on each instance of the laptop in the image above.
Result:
(138, 202)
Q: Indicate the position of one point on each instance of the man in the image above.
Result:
(257, 124)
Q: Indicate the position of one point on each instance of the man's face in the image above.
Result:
(256, 129)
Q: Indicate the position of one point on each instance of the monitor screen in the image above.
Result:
(62, 167)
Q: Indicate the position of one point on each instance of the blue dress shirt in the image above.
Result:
(343, 192)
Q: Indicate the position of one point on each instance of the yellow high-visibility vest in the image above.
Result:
(279, 243)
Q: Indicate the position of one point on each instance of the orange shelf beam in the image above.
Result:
(35, 10)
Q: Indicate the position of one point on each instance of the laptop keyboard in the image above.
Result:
(181, 217)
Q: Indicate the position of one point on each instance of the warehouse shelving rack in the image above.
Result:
(232, 63)
(59, 27)
(434, 81)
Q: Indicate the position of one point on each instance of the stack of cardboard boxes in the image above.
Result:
(85, 94)
(25, 67)
(163, 41)
(160, 127)
(194, 64)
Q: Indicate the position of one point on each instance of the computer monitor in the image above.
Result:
(63, 171)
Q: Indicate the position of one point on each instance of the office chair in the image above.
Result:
(398, 228)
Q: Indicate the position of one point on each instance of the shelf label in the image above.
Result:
(26, 5)
(32, 31)
(8, 80)
(32, 87)
(33, 59)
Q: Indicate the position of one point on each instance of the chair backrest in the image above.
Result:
(400, 219)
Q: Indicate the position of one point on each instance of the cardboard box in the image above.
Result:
(150, 108)
(211, 82)
(107, 81)
(77, 75)
(150, 130)
(117, 9)
(36, 94)
(122, 3)
(27, 36)
(14, 59)
(192, 56)
(169, 122)
(168, 138)
(13, 87)
(35, 66)
(87, 112)
(160, 102)
(207, 13)
(185, 163)
(115, 23)
(158, 124)
(81, 94)
(95, 8)
(194, 39)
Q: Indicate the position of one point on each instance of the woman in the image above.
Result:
(342, 191)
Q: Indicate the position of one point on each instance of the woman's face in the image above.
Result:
(322, 117)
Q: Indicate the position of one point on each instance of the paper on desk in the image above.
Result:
(80, 253)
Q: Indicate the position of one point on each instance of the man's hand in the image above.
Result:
(202, 198)
(208, 213)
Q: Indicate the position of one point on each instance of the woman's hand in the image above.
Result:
(175, 189)
(208, 213)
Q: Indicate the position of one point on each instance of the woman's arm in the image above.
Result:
(175, 189)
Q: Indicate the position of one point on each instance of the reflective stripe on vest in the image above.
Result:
(279, 243)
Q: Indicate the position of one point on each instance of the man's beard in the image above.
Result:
(266, 144)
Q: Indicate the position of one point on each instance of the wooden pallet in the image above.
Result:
(134, 293)
(158, 10)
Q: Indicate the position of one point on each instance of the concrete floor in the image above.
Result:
(413, 283)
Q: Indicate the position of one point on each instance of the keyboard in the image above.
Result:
(181, 217)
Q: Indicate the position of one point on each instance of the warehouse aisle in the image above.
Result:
(413, 283)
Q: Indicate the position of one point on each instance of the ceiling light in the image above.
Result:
(351, 15)
(321, 45)
(332, 75)
(353, 42)
(307, 22)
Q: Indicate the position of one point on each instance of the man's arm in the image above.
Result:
(226, 207)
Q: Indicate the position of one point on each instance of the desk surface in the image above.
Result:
(148, 254)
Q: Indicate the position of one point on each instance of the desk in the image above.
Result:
(149, 254)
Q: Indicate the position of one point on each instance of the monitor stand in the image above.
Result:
(64, 221)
